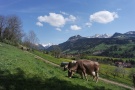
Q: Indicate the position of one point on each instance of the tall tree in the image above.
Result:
(14, 27)
(33, 38)
(30, 39)
(2, 25)
(56, 51)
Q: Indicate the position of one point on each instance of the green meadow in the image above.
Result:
(20, 70)
(106, 70)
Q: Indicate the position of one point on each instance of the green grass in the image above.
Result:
(20, 70)
(107, 70)
(103, 68)
(101, 46)
(51, 58)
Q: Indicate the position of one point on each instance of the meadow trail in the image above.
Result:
(102, 79)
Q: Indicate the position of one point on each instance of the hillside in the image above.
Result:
(118, 46)
(20, 70)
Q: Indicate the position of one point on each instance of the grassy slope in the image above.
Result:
(110, 69)
(50, 58)
(21, 71)
(103, 68)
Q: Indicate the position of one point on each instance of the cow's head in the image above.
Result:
(65, 67)
(70, 73)
(71, 68)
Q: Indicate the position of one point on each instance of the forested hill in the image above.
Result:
(119, 45)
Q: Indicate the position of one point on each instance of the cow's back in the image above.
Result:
(89, 66)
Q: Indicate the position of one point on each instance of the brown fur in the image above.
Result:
(84, 67)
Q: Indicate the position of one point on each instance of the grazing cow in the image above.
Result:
(64, 64)
(134, 79)
(84, 67)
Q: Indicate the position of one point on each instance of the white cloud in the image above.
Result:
(103, 17)
(75, 27)
(56, 20)
(58, 29)
(64, 13)
(39, 24)
(53, 19)
(71, 18)
(88, 24)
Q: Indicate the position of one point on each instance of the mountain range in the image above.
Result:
(76, 37)
(115, 35)
(129, 34)
(43, 46)
(116, 45)
(73, 38)
(100, 36)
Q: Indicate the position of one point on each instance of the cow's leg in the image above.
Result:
(94, 75)
(81, 73)
(97, 77)
(94, 78)
(84, 73)
(72, 73)
(86, 77)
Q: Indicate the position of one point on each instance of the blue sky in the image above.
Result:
(54, 21)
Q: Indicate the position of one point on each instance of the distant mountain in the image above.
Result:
(74, 38)
(47, 45)
(100, 36)
(104, 45)
(40, 47)
(43, 46)
(116, 35)
(130, 34)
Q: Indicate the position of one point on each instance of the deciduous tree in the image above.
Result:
(30, 39)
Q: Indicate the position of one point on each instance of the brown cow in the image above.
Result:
(64, 64)
(84, 67)
(134, 79)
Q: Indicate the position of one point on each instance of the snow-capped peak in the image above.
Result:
(48, 44)
(100, 36)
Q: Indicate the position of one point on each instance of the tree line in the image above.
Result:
(10, 28)
(11, 32)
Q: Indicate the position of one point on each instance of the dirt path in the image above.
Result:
(116, 83)
(102, 79)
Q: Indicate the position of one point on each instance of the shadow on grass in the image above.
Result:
(18, 81)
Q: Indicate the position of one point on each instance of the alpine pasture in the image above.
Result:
(20, 70)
